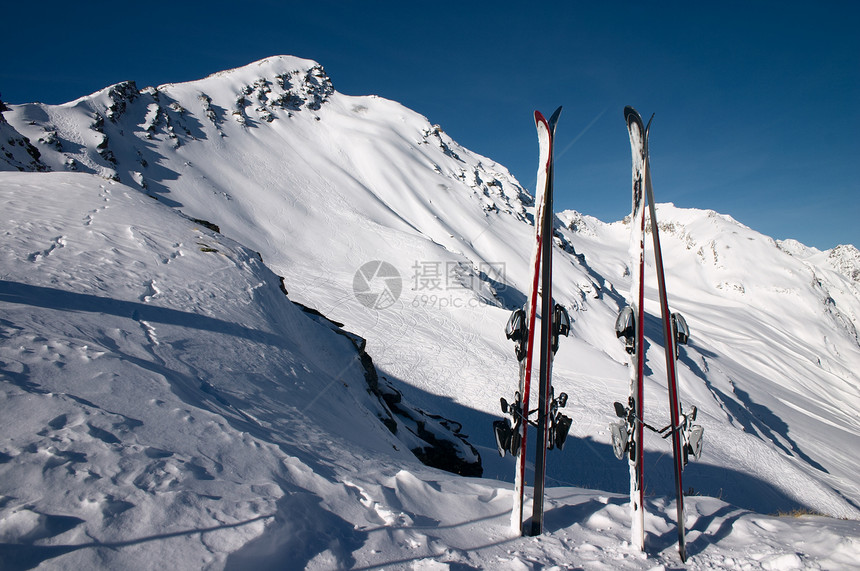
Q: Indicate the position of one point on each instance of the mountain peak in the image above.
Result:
(267, 69)
(270, 66)
(285, 82)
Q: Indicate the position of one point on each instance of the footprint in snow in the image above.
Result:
(56, 243)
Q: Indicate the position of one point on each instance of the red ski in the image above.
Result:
(511, 432)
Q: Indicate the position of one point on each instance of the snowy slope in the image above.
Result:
(771, 365)
(16, 151)
(156, 378)
(320, 183)
(163, 405)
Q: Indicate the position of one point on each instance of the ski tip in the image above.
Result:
(541, 124)
(631, 114)
(555, 115)
(539, 117)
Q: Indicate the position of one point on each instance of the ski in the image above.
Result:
(670, 343)
(511, 432)
(627, 434)
(511, 435)
(549, 341)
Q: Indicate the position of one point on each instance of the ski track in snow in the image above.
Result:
(162, 401)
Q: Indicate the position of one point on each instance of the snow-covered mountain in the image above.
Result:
(161, 395)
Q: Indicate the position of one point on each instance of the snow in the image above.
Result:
(165, 405)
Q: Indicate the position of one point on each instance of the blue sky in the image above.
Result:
(757, 103)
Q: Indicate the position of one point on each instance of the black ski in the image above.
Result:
(551, 327)
(685, 437)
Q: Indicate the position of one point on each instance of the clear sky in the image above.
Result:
(757, 103)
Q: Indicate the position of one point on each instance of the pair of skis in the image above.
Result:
(552, 426)
(627, 434)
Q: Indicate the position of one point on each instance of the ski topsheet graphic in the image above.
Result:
(627, 434)
(511, 432)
